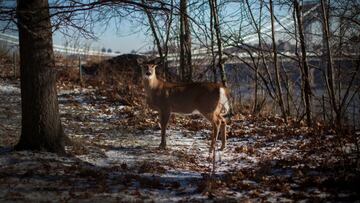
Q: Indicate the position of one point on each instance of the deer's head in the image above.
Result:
(148, 71)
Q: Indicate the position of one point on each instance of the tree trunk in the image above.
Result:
(153, 30)
(185, 43)
(276, 65)
(255, 107)
(330, 68)
(156, 38)
(213, 56)
(41, 126)
(304, 65)
(214, 10)
(167, 37)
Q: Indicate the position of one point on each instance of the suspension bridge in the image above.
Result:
(310, 10)
(13, 40)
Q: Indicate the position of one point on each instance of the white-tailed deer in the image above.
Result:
(209, 99)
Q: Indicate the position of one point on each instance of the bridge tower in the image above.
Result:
(312, 23)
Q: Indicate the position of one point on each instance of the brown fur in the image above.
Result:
(167, 97)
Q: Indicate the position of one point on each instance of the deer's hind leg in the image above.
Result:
(215, 122)
(223, 132)
(164, 120)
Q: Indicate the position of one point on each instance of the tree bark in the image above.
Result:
(153, 30)
(185, 43)
(220, 64)
(304, 65)
(255, 107)
(276, 65)
(41, 125)
(330, 68)
(156, 38)
(212, 45)
(167, 38)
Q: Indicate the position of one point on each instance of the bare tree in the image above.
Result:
(212, 43)
(330, 69)
(276, 65)
(215, 19)
(306, 89)
(161, 34)
(41, 126)
(340, 93)
(257, 26)
(185, 43)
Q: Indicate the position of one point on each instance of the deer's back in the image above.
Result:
(186, 98)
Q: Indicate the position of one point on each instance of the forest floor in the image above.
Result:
(115, 157)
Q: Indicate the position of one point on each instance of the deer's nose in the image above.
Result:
(148, 73)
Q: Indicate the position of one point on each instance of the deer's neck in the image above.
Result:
(152, 84)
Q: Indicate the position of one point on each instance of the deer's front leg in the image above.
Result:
(164, 119)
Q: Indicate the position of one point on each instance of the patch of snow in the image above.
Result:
(9, 89)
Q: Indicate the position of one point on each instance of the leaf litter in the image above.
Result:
(115, 156)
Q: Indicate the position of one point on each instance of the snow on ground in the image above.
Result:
(9, 112)
(115, 157)
(6, 88)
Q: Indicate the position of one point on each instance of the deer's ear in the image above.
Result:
(154, 66)
(156, 61)
(140, 61)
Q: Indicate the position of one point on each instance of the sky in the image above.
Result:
(124, 37)
(130, 37)
(120, 34)
(124, 40)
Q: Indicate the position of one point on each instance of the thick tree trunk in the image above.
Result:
(185, 43)
(304, 65)
(41, 126)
